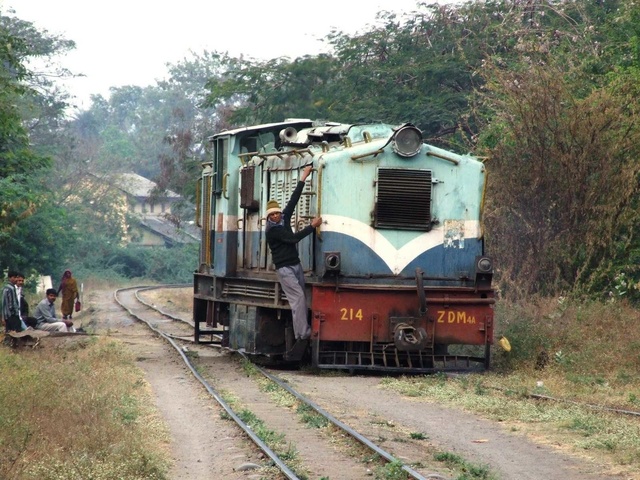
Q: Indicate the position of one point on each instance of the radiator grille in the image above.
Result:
(403, 199)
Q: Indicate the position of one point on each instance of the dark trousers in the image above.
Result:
(31, 322)
(13, 324)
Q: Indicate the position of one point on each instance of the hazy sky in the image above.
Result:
(129, 42)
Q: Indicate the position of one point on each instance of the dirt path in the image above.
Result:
(203, 446)
(206, 447)
(378, 413)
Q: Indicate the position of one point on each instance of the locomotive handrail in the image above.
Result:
(444, 157)
(319, 197)
(291, 169)
(421, 295)
(279, 154)
(374, 153)
(224, 186)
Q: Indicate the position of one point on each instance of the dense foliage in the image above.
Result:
(561, 132)
(546, 92)
(21, 168)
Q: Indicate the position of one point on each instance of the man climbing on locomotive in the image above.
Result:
(282, 242)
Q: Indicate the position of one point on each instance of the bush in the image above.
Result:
(574, 335)
(159, 264)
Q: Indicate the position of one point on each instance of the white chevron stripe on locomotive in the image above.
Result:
(395, 258)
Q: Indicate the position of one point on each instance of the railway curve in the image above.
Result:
(167, 330)
(508, 456)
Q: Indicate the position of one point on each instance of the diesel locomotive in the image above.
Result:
(397, 279)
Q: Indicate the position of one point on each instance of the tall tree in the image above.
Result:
(20, 192)
(560, 132)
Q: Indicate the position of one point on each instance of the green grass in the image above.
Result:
(276, 442)
(592, 358)
(390, 471)
(310, 417)
(469, 470)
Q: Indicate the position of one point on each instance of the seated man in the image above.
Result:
(46, 315)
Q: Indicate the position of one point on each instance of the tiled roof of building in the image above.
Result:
(137, 185)
(187, 233)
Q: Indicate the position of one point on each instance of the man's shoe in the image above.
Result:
(298, 350)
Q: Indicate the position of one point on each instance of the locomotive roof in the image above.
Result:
(300, 122)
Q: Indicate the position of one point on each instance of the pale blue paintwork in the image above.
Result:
(344, 186)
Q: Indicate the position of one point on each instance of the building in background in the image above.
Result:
(153, 219)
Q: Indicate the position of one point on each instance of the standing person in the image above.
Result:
(24, 305)
(282, 242)
(70, 295)
(11, 304)
(46, 315)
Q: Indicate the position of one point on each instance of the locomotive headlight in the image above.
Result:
(407, 141)
(332, 262)
(484, 265)
(484, 272)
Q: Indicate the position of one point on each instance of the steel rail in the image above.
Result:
(263, 446)
(159, 310)
(388, 457)
(167, 314)
(344, 427)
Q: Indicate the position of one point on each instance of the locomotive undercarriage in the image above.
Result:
(253, 316)
(280, 349)
(354, 356)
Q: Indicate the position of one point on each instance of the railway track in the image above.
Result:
(492, 451)
(178, 332)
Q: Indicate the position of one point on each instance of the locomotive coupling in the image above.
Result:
(408, 338)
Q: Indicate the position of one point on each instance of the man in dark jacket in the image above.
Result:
(283, 244)
(11, 305)
(24, 305)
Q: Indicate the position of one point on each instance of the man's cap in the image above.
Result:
(272, 207)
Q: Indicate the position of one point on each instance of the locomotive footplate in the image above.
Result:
(388, 358)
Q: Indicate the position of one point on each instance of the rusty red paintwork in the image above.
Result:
(364, 315)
